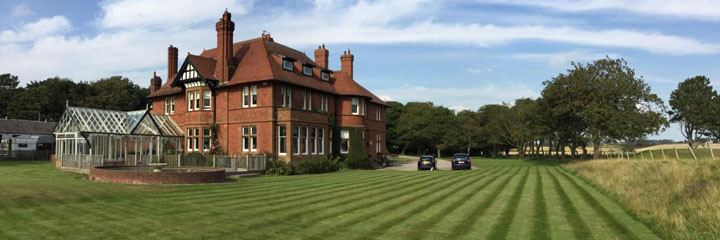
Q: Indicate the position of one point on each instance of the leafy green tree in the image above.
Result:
(690, 104)
(602, 101)
(392, 136)
(8, 90)
(117, 93)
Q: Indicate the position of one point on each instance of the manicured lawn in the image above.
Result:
(505, 199)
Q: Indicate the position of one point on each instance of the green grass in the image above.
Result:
(504, 199)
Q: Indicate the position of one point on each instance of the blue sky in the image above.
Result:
(459, 54)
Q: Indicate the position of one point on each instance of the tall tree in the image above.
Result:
(691, 105)
(392, 114)
(117, 93)
(8, 90)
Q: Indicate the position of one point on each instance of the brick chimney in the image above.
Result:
(155, 82)
(346, 63)
(321, 56)
(224, 66)
(172, 62)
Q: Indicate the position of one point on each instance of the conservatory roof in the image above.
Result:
(140, 122)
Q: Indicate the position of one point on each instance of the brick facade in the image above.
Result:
(252, 95)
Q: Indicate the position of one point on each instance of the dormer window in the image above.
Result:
(325, 76)
(307, 70)
(287, 64)
(189, 73)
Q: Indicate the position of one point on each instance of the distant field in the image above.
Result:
(504, 199)
(567, 149)
(680, 198)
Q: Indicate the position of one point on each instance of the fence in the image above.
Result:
(675, 153)
(31, 155)
(234, 163)
(81, 161)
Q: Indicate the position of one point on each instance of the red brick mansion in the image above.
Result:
(261, 97)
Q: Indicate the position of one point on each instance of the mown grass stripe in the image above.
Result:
(343, 209)
(620, 230)
(475, 213)
(239, 192)
(305, 199)
(424, 204)
(541, 227)
(431, 221)
(580, 229)
(502, 226)
(339, 199)
(393, 204)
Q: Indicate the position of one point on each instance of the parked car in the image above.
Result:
(461, 161)
(427, 162)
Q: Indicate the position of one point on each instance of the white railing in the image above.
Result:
(81, 161)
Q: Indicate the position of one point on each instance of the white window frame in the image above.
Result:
(313, 141)
(321, 140)
(330, 136)
(207, 96)
(325, 76)
(304, 98)
(197, 100)
(189, 140)
(309, 100)
(295, 140)
(245, 132)
(378, 113)
(253, 138)
(283, 94)
(253, 96)
(206, 137)
(172, 105)
(344, 132)
(304, 139)
(305, 68)
(288, 64)
(282, 138)
(378, 141)
(355, 106)
(167, 106)
(246, 97)
(190, 100)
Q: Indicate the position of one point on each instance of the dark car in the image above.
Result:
(461, 161)
(427, 162)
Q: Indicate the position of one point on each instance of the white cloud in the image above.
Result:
(133, 35)
(21, 10)
(562, 59)
(162, 14)
(477, 70)
(460, 98)
(699, 9)
(46, 27)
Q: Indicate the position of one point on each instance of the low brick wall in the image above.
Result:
(128, 175)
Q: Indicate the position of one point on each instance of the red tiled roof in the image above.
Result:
(261, 60)
(204, 66)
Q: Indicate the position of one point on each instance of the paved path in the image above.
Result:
(412, 166)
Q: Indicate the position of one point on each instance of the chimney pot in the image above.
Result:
(322, 56)
(225, 63)
(172, 62)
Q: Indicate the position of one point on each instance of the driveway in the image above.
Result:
(412, 166)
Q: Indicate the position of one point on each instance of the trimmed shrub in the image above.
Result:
(357, 157)
(317, 165)
(278, 167)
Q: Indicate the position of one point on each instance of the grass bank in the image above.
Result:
(681, 199)
(502, 199)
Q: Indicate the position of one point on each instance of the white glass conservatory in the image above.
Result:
(87, 137)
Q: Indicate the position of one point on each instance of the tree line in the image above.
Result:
(46, 99)
(591, 104)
